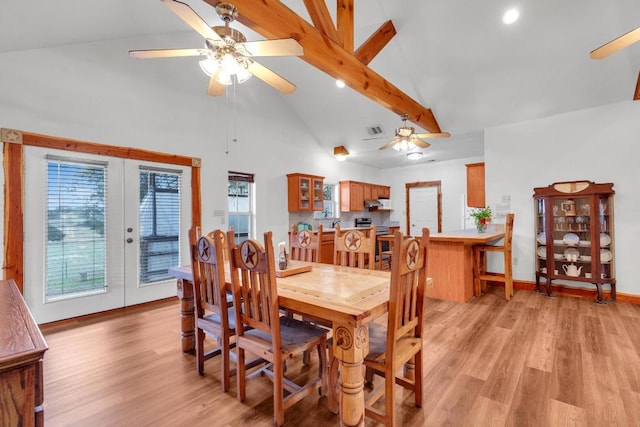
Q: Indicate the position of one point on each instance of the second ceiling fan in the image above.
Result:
(406, 138)
(228, 53)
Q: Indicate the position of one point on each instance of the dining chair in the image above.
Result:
(212, 305)
(275, 338)
(355, 247)
(480, 274)
(305, 245)
(399, 342)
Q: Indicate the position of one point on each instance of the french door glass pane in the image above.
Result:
(159, 235)
(75, 229)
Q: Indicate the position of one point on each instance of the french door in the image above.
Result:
(100, 232)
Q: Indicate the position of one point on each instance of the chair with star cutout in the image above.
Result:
(305, 245)
(211, 303)
(275, 338)
(395, 349)
(355, 247)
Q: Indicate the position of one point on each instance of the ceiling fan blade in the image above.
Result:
(389, 144)
(375, 137)
(279, 47)
(636, 95)
(167, 53)
(274, 80)
(192, 19)
(215, 88)
(420, 143)
(616, 44)
(433, 135)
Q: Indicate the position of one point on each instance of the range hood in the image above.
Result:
(372, 204)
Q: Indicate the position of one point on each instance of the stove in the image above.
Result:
(366, 223)
(381, 230)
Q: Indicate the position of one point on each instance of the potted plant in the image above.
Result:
(481, 217)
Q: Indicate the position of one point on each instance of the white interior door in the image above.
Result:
(86, 226)
(423, 209)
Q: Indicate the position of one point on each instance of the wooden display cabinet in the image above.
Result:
(306, 192)
(574, 236)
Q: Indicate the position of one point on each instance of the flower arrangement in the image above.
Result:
(481, 217)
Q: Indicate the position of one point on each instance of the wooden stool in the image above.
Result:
(479, 262)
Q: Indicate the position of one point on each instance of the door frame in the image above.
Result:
(13, 158)
(409, 186)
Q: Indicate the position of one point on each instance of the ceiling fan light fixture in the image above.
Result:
(404, 145)
(414, 155)
(340, 153)
(209, 66)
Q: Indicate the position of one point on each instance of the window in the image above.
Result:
(159, 212)
(75, 228)
(240, 196)
(330, 206)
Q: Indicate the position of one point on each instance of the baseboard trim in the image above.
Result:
(571, 291)
(75, 321)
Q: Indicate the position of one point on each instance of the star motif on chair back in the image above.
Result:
(304, 238)
(352, 240)
(205, 251)
(412, 254)
(249, 254)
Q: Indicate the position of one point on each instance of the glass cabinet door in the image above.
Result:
(605, 240)
(318, 195)
(305, 193)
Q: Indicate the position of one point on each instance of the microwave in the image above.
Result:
(386, 203)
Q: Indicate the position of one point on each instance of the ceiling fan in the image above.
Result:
(228, 53)
(406, 138)
(615, 45)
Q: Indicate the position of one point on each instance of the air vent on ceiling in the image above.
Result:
(375, 130)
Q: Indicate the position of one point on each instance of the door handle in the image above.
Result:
(129, 240)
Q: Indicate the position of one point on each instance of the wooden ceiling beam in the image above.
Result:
(376, 42)
(636, 94)
(274, 20)
(344, 14)
(321, 18)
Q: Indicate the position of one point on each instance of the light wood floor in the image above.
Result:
(534, 361)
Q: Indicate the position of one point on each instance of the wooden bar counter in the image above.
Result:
(450, 261)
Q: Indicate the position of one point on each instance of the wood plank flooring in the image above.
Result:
(534, 361)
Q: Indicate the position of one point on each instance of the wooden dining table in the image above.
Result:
(349, 298)
(450, 261)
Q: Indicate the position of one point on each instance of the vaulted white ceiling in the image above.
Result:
(453, 56)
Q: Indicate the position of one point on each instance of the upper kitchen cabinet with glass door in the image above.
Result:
(305, 192)
(574, 237)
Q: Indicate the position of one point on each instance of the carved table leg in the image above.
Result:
(351, 345)
(187, 315)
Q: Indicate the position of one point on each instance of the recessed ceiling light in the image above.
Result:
(510, 16)
(414, 155)
(340, 83)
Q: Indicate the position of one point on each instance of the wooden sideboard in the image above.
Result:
(21, 350)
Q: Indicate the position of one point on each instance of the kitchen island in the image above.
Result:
(450, 261)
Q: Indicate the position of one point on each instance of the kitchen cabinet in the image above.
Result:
(475, 185)
(306, 192)
(21, 351)
(354, 193)
(351, 196)
(326, 242)
(574, 236)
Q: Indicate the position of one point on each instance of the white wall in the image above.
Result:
(600, 145)
(96, 93)
(453, 177)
